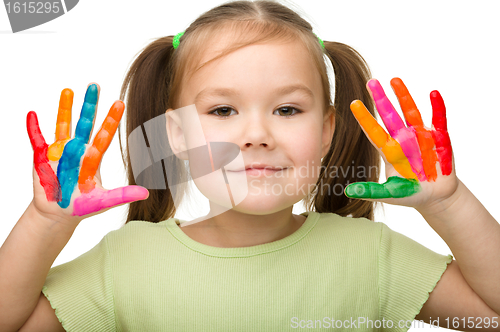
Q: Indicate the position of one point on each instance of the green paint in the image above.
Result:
(395, 187)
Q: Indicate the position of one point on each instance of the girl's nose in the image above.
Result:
(250, 144)
(257, 131)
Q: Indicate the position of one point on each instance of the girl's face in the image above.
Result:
(268, 100)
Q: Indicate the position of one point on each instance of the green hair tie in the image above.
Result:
(177, 39)
(320, 41)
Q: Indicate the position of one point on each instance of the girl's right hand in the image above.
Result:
(66, 179)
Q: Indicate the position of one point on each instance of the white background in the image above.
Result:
(450, 46)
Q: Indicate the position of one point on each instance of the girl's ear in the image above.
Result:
(175, 135)
(328, 130)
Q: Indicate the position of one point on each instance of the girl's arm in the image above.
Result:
(25, 260)
(67, 189)
(473, 236)
(421, 174)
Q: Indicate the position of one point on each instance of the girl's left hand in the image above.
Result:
(419, 161)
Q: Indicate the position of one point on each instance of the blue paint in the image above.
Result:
(69, 164)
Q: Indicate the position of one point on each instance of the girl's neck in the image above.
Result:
(233, 229)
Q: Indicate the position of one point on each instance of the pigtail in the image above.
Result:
(147, 88)
(352, 157)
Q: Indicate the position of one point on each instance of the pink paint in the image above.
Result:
(99, 199)
(390, 117)
(407, 138)
(397, 129)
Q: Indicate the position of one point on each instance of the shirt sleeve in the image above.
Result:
(408, 272)
(81, 291)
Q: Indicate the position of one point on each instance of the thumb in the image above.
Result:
(394, 187)
(100, 199)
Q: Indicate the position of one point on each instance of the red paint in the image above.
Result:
(440, 133)
(48, 178)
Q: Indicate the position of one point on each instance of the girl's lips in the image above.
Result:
(261, 171)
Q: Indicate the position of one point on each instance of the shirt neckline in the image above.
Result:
(173, 227)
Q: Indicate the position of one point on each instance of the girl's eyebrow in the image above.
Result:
(226, 92)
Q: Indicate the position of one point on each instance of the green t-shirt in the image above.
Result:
(347, 273)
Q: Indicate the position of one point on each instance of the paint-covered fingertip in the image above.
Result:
(31, 114)
(356, 190)
(66, 100)
(135, 193)
(31, 124)
(30, 117)
(117, 109)
(396, 81)
(438, 107)
(348, 191)
(436, 94)
(373, 83)
(92, 94)
(357, 107)
(375, 89)
(34, 133)
(119, 105)
(67, 93)
(398, 86)
(356, 103)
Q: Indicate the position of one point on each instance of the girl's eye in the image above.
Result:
(288, 109)
(224, 112)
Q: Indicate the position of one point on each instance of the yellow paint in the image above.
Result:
(389, 146)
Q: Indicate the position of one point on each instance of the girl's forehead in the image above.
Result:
(272, 49)
(270, 61)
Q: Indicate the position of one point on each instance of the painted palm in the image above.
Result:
(76, 183)
(419, 160)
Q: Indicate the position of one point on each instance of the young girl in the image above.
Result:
(250, 75)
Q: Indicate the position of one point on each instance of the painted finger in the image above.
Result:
(69, 164)
(414, 120)
(394, 187)
(87, 115)
(440, 133)
(387, 112)
(408, 106)
(405, 136)
(48, 178)
(389, 146)
(99, 199)
(100, 144)
(63, 125)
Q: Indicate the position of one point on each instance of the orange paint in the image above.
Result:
(414, 120)
(390, 147)
(63, 125)
(100, 144)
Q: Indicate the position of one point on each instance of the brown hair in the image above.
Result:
(155, 78)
